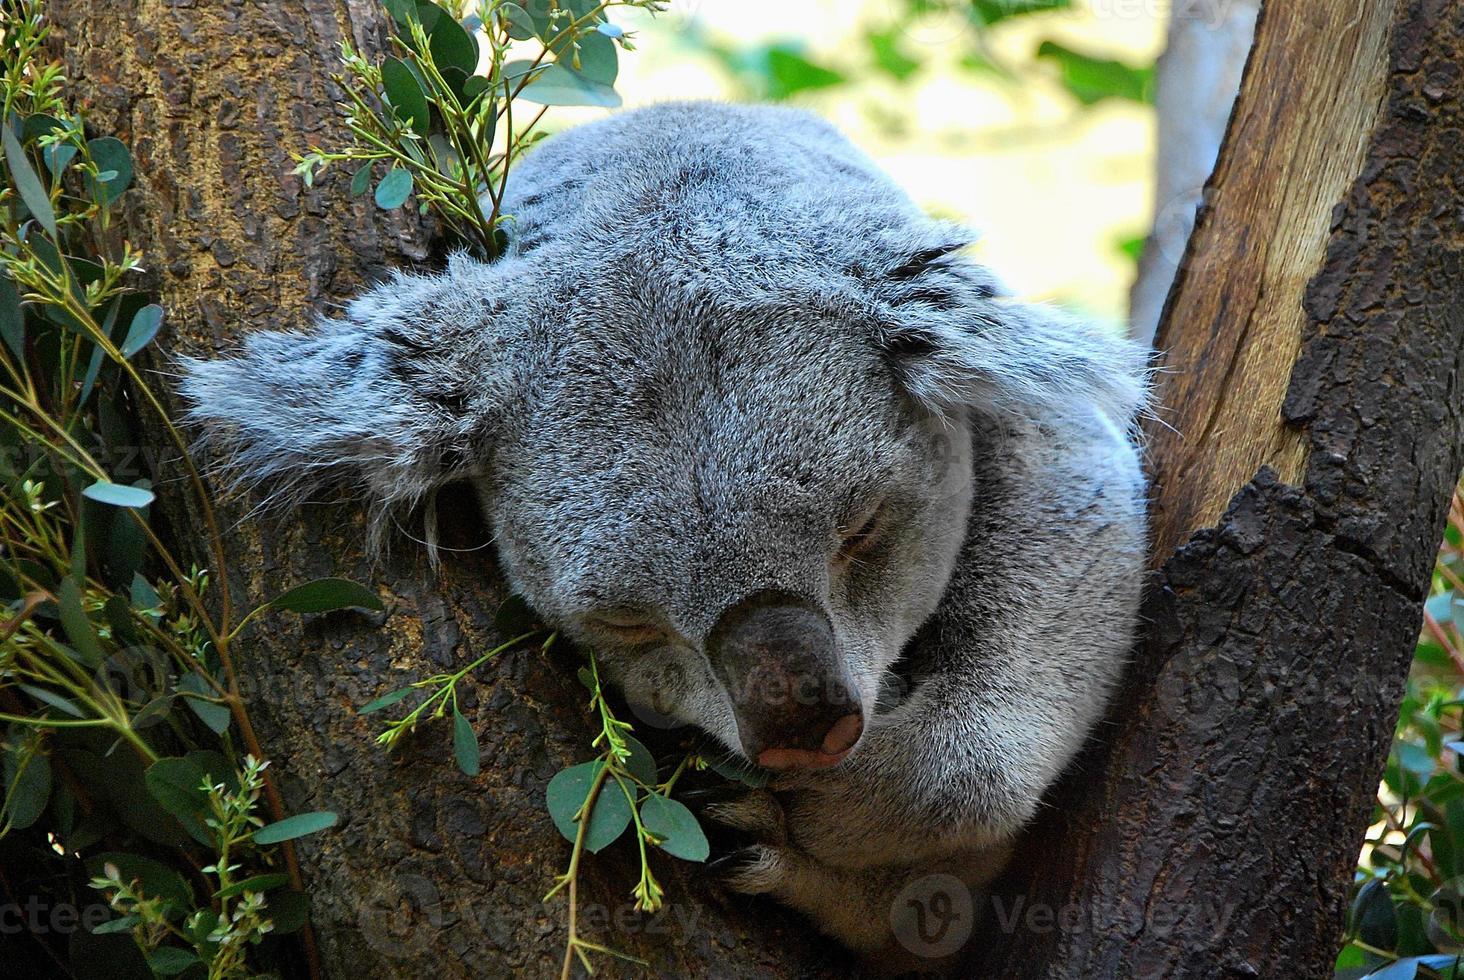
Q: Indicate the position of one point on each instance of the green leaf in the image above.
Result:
(195, 691)
(38, 125)
(259, 883)
(988, 12)
(327, 595)
(53, 699)
(520, 24)
(288, 911)
(464, 743)
(78, 628)
(1373, 916)
(118, 495)
(451, 45)
(567, 793)
(405, 95)
(1090, 80)
(641, 764)
(1441, 607)
(1416, 759)
(401, 10)
(116, 925)
(297, 826)
(597, 58)
(110, 153)
(361, 180)
(558, 85)
(145, 324)
(394, 189)
(888, 55)
(155, 879)
(23, 178)
(385, 701)
(27, 782)
(12, 321)
(94, 368)
(1404, 969)
(176, 783)
(143, 595)
(170, 960)
(789, 72)
(475, 86)
(680, 834)
(57, 156)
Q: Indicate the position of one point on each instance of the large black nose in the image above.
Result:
(795, 702)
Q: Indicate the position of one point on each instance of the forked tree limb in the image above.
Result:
(1307, 440)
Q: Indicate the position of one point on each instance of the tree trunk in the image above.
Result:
(1307, 441)
(431, 873)
(1316, 359)
(1194, 90)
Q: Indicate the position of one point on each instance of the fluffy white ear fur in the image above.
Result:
(397, 396)
(956, 342)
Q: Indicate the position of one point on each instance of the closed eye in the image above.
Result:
(863, 536)
(627, 626)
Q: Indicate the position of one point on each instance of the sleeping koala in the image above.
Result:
(745, 421)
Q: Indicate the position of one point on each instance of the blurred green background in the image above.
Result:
(1029, 120)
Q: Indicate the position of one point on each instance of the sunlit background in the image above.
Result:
(1030, 120)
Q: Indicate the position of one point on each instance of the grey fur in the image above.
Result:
(719, 337)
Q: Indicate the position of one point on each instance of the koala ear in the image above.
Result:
(399, 395)
(955, 341)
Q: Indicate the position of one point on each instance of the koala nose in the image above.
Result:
(795, 703)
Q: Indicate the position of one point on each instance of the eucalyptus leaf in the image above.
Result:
(394, 189)
(123, 924)
(641, 764)
(12, 320)
(567, 793)
(288, 911)
(27, 783)
(677, 827)
(23, 178)
(296, 826)
(176, 783)
(405, 95)
(464, 744)
(327, 595)
(597, 58)
(520, 24)
(195, 691)
(385, 701)
(452, 46)
(118, 495)
(258, 883)
(53, 699)
(563, 86)
(169, 961)
(145, 325)
(153, 878)
(78, 627)
(110, 154)
(361, 180)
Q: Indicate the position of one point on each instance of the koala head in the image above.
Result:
(738, 466)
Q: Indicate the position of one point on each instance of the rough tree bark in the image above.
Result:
(1303, 456)
(1321, 347)
(431, 873)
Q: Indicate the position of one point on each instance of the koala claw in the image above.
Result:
(757, 813)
